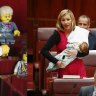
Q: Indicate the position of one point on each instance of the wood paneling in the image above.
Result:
(43, 13)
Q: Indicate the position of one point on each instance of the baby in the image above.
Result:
(81, 47)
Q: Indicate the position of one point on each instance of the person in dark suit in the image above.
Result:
(84, 22)
(89, 90)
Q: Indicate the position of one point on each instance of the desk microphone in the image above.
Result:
(73, 87)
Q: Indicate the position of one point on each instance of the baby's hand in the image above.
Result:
(71, 53)
(60, 64)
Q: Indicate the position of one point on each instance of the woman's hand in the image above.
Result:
(71, 53)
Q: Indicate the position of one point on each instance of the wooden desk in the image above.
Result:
(67, 87)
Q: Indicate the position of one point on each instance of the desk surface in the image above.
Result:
(73, 80)
(68, 86)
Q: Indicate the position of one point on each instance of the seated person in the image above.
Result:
(81, 47)
(84, 22)
(89, 90)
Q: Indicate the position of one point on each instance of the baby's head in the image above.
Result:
(84, 48)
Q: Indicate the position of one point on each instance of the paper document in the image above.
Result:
(71, 76)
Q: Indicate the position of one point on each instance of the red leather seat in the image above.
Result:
(30, 80)
(7, 65)
(43, 35)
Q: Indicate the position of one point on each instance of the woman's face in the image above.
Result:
(66, 22)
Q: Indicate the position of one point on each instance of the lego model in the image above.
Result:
(8, 29)
(21, 67)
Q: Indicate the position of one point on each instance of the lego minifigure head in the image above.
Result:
(25, 57)
(6, 13)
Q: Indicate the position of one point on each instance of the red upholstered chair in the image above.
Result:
(7, 65)
(90, 63)
(30, 79)
(20, 84)
(43, 35)
(8, 89)
(5, 87)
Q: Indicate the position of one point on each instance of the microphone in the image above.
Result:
(73, 87)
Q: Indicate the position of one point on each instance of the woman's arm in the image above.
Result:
(76, 53)
(79, 54)
(53, 40)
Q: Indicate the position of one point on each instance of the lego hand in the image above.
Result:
(16, 33)
(24, 70)
(15, 73)
(5, 50)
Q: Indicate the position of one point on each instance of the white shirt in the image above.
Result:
(79, 34)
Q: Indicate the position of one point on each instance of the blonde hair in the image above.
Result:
(63, 13)
(6, 10)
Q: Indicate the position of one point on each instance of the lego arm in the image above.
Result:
(16, 67)
(16, 31)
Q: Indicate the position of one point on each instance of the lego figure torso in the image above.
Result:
(6, 32)
(7, 27)
(21, 68)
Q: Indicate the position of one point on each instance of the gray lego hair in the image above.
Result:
(6, 10)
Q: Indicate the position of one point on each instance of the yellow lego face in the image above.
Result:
(6, 17)
(25, 57)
